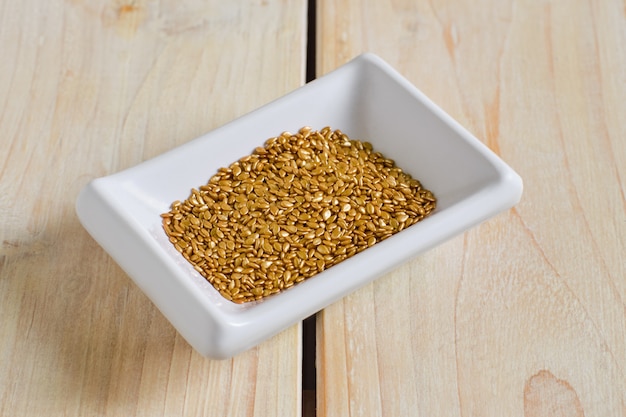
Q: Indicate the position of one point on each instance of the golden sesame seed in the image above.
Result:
(293, 208)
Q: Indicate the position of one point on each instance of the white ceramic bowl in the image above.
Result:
(367, 100)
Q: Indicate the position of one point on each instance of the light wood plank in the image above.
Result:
(88, 88)
(524, 315)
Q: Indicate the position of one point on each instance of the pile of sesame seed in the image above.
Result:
(293, 208)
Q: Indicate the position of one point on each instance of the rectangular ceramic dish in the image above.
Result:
(366, 99)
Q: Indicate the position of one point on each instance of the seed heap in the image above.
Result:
(291, 209)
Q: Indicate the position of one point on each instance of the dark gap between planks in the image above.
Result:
(308, 325)
(311, 41)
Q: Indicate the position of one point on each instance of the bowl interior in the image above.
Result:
(365, 101)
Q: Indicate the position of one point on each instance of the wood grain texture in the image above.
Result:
(524, 315)
(87, 88)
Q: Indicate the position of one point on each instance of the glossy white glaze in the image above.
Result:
(366, 99)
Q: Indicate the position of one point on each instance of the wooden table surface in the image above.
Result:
(524, 315)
